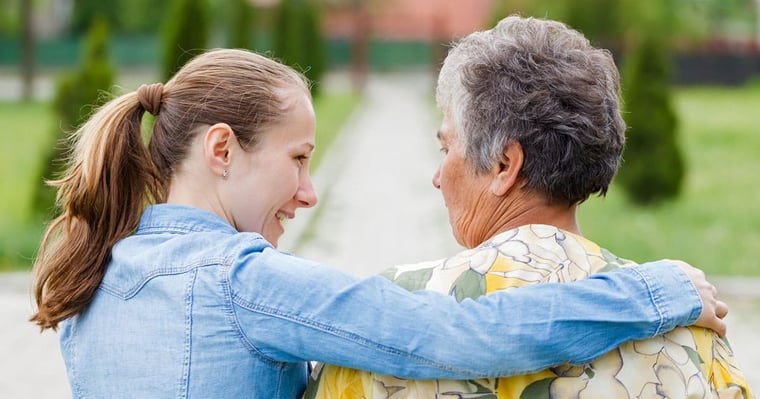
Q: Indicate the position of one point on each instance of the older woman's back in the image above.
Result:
(685, 363)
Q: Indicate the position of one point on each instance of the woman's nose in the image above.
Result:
(306, 196)
(437, 178)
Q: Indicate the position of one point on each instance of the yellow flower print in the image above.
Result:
(686, 363)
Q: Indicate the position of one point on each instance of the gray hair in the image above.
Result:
(542, 84)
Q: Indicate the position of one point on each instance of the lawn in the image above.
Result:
(715, 223)
(26, 134)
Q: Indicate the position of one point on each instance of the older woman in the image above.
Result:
(531, 129)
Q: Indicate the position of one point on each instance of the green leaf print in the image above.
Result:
(412, 280)
(538, 389)
(693, 356)
(469, 284)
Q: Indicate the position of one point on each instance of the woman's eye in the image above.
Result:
(301, 159)
(444, 150)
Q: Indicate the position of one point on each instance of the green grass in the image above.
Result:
(332, 110)
(27, 133)
(714, 224)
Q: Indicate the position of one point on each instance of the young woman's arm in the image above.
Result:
(291, 309)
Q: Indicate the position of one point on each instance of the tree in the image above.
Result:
(240, 18)
(186, 34)
(362, 14)
(27, 50)
(84, 12)
(298, 39)
(653, 167)
(597, 19)
(77, 95)
(141, 17)
(536, 8)
(6, 20)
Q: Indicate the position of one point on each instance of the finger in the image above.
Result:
(720, 327)
(721, 309)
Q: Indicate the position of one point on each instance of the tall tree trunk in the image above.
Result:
(360, 43)
(27, 50)
(757, 20)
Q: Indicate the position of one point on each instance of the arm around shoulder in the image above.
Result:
(291, 309)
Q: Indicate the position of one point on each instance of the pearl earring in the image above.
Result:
(225, 174)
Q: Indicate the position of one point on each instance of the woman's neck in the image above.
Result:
(529, 208)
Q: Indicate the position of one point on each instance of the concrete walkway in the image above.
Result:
(377, 208)
(30, 363)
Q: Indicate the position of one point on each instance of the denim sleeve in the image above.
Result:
(289, 309)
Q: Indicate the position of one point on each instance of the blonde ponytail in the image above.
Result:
(110, 179)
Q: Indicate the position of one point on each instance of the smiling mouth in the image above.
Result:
(281, 216)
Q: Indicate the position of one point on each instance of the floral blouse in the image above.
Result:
(688, 362)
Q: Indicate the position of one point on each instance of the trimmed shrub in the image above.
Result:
(653, 167)
(84, 12)
(186, 34)
(299, 41)
(240, 18)
(77, 95)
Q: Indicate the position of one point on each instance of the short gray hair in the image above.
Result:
(542, 84)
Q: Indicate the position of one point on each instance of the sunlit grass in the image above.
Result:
(25, 135)
(715, 223)
(332, 110)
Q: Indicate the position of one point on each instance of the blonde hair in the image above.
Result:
(112, 175)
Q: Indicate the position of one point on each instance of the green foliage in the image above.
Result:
(123, 16)
(726, 16)
(186, 35)
(653, 168)
(611, 23)
(652, 17)
(240, 18)
(526, 8)
(141, 17)
(299, 41)
(27, 136)
(77, 95)
(7, 20)
(598, 20)
(85, 12)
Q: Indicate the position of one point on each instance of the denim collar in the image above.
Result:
(181, 219)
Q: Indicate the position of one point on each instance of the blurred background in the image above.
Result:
(688, 188)
(690, 70)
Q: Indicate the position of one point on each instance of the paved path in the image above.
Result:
(30, 363)
(375, 185)
(376, 201)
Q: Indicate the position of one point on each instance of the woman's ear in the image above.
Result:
(217, 144)
(507, 171)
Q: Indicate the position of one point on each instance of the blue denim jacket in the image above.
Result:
(189, 307)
